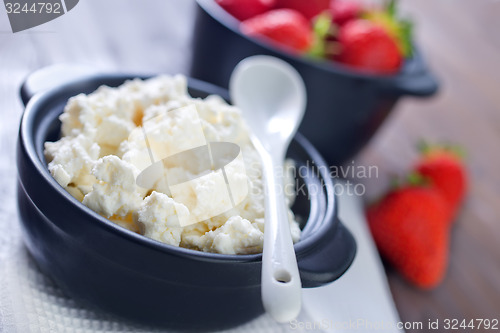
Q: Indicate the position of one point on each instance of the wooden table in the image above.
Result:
(461, 41)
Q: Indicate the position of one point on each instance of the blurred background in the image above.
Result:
(461, 44)
(457, 39)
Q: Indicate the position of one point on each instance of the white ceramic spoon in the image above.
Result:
(272, 97)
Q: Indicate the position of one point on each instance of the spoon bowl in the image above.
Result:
(272, 96)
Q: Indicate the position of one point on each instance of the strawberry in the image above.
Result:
(398, 28)
(308, 8)
(245, 9)
(410, 229)
(286, 27)
(444, 169)
(367, 46)
(344, 10)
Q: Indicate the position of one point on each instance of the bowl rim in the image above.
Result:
(228, 21)
(29, 143)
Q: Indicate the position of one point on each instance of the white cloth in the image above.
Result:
(31, 302)
(360, 300)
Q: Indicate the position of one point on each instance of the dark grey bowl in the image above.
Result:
(133, 277)
(345, 107)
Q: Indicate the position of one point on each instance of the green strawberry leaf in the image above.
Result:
(322, 24)
(391, 8)
(323, 28)
(416, 179)
(411, 179)
(426, 148)
(406, 32)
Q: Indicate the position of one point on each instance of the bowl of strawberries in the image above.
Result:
(356, 60)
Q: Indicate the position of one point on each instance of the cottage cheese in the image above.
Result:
(97, 160)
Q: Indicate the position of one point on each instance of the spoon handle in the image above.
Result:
(281, 286)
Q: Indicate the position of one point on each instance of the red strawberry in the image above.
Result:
(344, 10)
(309, 8)
(244, 9)
(398, 28)
(369, 47)
(287, 27)
(445, 170)
(410, 229)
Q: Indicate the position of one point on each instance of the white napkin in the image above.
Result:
(359, 301)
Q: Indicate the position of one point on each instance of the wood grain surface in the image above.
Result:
(461, 42)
